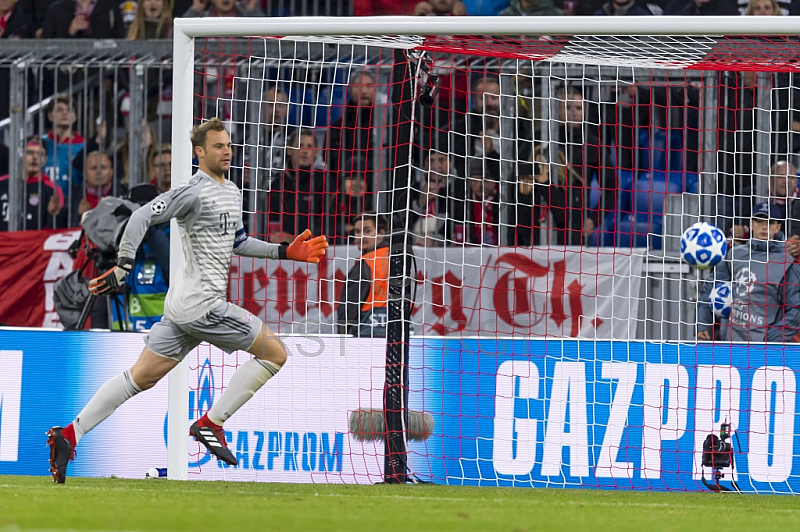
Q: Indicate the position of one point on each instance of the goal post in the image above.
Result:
(524, 330)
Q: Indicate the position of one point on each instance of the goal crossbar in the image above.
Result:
(637, 26)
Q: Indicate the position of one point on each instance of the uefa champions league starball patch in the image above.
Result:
(158, 206)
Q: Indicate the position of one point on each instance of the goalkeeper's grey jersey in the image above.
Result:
(209, 218)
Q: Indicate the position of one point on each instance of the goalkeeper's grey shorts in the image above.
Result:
(227, 326)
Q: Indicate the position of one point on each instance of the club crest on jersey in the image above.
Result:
(158, 206)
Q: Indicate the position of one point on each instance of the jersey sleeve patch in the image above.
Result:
(158, 206)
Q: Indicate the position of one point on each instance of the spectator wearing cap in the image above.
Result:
(765, 282)
(766, 222)
(43, 200)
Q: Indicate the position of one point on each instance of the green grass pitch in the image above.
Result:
(35, 503)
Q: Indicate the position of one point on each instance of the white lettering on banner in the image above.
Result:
(10, 403)
(52, 321)
(49, 304)
(59, 265)
(666, 392)
(709, 414)
(287, 451)
(61, 241)
(772, 414)
(510, 431)
(569, 390)
(625, 374)
(557, 292)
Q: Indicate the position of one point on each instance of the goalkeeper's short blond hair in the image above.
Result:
(200, 131)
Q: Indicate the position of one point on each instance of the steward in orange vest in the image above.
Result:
(362, 309)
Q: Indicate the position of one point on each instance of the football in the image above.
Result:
(721, 299)
(703, 245)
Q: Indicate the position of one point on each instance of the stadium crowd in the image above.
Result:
(598, 177)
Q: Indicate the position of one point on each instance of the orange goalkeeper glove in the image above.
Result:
(113, 279)
(307, 249)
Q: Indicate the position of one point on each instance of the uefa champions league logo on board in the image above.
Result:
(201, 399)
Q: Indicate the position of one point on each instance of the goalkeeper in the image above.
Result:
(209, 214)
(765, 281)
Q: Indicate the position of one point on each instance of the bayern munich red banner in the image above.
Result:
(32, 262)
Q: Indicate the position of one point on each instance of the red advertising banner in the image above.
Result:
(32, 261)
(473, 291)
(541, 292)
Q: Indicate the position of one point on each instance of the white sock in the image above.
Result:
(246, 381)
(107, 399)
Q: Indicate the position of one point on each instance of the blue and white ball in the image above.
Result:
(721, 299)
(703, 245)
